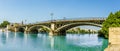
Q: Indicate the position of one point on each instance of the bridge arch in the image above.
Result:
(19, 29)
(69, 26)
(35, 28)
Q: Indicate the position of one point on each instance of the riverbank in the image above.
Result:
(2, 29)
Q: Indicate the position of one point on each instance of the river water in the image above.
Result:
(10, 41)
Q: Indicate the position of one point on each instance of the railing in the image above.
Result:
(84, 18)
(72, 19)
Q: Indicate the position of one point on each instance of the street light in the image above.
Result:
(64, 18)
(52, 16)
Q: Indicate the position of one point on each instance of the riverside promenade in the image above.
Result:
(114, 39)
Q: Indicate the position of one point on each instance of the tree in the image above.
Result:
(113, 20)
(4, 24)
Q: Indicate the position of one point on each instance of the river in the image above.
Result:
(10, 41)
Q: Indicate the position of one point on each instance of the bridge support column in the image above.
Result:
(15, 30)
(53, 26)
(26, 30)
(54, 33)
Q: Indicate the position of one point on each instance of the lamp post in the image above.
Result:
(52, 24)
(51, 17)
(64, 18)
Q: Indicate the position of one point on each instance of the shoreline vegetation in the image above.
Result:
(77, 30)
(3, 25)
(113, 20)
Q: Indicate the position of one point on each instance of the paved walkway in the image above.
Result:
(114, 47)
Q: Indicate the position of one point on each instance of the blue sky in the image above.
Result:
(39, 10)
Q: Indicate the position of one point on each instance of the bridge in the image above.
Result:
(58, 27)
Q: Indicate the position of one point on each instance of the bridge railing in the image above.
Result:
(72, 19)
(85, 18)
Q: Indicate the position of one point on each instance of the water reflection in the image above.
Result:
(82, 40)
(25, 38)
(43, 42)
(51, 41)
(3, 38)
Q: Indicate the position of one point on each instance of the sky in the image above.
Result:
(39, 10)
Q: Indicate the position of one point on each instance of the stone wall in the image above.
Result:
(114, 39)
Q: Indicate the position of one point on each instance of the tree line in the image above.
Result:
(113, 20)
(77, 30)
(4, 24)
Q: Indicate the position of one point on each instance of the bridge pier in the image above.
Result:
(16, 30)
(26, 30)
(53, 31)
